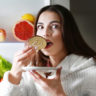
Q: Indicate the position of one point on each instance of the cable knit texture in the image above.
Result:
(78, 78)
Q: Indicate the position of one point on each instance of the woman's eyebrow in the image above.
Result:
(39, 23)
(55, 21)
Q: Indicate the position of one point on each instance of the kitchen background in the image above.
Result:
(11, 11)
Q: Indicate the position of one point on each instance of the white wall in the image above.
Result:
(65, 3)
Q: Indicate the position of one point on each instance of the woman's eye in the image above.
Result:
(39, 27)
(55, 26)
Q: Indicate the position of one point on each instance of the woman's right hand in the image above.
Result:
(22, 58)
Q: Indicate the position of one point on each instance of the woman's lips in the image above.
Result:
(49, 44)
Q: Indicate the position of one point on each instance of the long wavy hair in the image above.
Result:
(73, 41)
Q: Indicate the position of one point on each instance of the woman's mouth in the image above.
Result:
(49, 44)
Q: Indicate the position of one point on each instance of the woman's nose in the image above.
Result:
(47, 32)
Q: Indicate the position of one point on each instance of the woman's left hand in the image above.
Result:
(52, 86)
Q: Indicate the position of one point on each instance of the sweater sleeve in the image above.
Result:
(9, 89)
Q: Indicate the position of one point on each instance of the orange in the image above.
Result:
(28, 17)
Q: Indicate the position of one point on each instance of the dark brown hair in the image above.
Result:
(73, 41)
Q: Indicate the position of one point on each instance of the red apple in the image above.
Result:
(2, 34)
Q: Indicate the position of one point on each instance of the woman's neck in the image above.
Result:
(55, 60)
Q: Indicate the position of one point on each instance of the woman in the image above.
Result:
(65, 49)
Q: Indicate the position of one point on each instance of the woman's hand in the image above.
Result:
(52, 86)
(22, 58)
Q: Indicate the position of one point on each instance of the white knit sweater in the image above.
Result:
(78, 78)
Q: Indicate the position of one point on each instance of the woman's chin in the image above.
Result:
(46, 52)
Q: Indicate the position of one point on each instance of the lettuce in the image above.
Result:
(4, 66)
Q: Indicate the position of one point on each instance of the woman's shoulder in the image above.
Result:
(74, 62)
(80, 62)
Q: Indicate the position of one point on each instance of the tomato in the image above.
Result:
(1, 79)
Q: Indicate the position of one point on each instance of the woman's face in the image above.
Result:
(49, 27)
